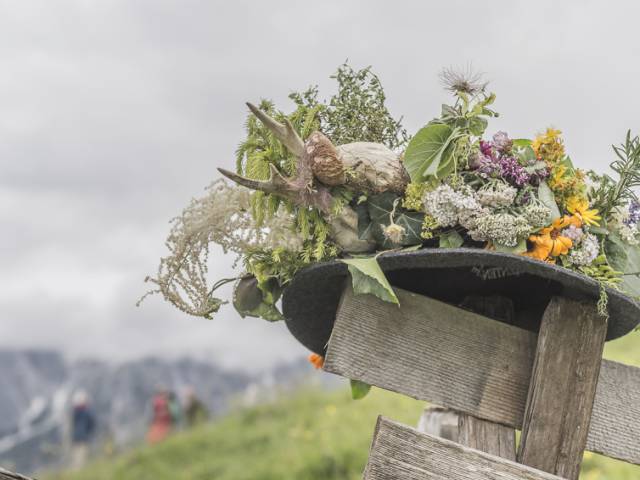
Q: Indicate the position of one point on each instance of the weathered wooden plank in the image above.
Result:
(486, 436)
(563, 386)
(7, 475)
(399, 452)
(436, 352)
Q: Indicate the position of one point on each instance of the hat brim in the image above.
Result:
(310, 301)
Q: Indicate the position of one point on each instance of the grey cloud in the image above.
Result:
(114, 114)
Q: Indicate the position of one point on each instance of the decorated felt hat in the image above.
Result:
(453, 276)
(337, 191)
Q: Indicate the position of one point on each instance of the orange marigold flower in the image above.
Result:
(549, 243)
(316, 360)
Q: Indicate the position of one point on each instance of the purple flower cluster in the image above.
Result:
(495, 160)
(634, 213)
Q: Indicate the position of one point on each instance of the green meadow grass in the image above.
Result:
(309, 435)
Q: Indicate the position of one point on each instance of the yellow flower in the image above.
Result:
(548, 146)
(548, 243)
(556, 180)
(579, 206)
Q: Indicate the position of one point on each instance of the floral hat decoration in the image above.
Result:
(337, 189)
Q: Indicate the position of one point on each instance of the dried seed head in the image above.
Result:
(394, 233)
(463, 80)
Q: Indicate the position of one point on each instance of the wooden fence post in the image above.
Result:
(563, 387)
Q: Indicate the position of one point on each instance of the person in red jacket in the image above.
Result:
(162, 421)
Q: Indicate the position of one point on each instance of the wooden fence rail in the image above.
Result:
(436, 352)
(7, 475)
(399, 452)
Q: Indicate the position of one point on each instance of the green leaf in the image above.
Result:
(427, 150)
(599, 230)
(528, 156)
(359, 389)
(477, 125)
(365, 225)
(380, 208)
(257, 299)
(626, 259)
(521, 142)
(451, 239)
(545, 195)
(521, 247)
(368, 277)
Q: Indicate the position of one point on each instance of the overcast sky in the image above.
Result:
(113, 114)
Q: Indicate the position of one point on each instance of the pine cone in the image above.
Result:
(326, 163)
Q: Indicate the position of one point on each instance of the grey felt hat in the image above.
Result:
(311, 300)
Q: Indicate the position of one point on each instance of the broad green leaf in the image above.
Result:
(380, 208)
(451, 239)
(521, 247)
(477, 126)
(545, 195)
(521, 142)
(368, 277)
(365, 225)
(529, 156)
(426, 150)
(535, 167)
(254, 299)
(359, 389)
(624, 258)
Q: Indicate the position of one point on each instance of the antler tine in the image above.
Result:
(276, 183)
(285, 133)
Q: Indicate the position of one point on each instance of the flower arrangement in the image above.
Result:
(341, 179)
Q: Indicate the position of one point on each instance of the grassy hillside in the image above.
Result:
(311, 435)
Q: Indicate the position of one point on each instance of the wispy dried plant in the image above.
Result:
(463, 80)
(221, 217)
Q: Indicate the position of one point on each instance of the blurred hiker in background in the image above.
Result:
(83, 425)
(162, 421)
(175, 409)
(195, 411)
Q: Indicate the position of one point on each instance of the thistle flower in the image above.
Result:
(463, 80)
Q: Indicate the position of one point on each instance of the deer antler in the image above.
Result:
(285, 133)
(301, 189)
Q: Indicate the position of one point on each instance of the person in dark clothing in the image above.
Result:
(83, 426)
(195, 411)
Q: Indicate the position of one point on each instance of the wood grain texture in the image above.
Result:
(439, 353)
(563, 386)
(7, 475)
(489, 437)
(399, 452)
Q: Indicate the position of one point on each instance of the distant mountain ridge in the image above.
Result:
(36, 387)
